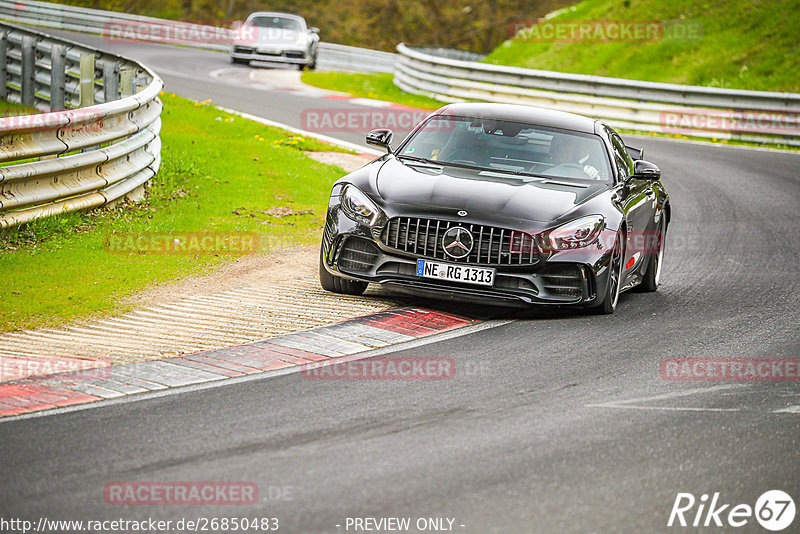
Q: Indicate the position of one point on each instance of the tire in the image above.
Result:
(611, 298)
(652, 275)
(335, 284)
(313, 64)
(301, 66)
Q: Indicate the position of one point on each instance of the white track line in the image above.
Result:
(628, 403)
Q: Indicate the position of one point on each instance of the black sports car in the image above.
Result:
(500, 204)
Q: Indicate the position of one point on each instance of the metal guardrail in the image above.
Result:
(753, 116)
(98, 140)
(96, 21)
(336, 56)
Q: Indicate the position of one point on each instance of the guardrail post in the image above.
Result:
(138, 81)
(28, 86)
(58, 66)
(110, 81)
(126, 80)
(4, 66)
(87, 80)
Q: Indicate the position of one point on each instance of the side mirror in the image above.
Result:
(313, 29)
(635, 153)
(381, 137)
(644, 170)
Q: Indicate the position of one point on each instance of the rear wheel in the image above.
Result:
(335, 284)
(609, 303)
(652, 275)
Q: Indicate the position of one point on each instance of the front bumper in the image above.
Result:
(284, 54)
(353, 251)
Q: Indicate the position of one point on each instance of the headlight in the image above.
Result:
(358, 206)
(575, 234)
(301, 40)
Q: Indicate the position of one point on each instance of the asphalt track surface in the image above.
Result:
(554, 422)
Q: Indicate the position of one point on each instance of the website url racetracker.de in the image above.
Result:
(144, 526)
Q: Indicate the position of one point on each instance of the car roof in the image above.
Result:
(276, 14)
(520, 113)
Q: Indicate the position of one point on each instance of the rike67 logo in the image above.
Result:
(774, 510)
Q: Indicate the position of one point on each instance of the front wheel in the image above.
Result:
(609, 303)
(335, 284)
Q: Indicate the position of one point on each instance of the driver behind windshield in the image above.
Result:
(567, 150)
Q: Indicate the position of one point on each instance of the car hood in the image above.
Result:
(485, 192)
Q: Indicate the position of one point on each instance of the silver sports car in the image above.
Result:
(276, 38)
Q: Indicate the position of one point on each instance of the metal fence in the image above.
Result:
(98, 138)
(115, 25)
(754, 116)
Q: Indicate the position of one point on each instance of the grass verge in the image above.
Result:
(219, 173)
(741, 44)
(377, 86)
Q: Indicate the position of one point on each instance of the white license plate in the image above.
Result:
(455, 273)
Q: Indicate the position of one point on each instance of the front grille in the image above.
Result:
(492, 245)
(563, 281)
(242, 49)
(294, 54)
(357, 255)
(329, 233)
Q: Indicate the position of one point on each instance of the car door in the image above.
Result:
(637, 199)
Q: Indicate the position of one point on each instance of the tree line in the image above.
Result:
(476, 25)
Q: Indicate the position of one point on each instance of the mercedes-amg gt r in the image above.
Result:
(500, 204)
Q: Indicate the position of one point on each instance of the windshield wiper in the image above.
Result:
(462, 165)
(519, 173)
(415, 158)
(439, 163)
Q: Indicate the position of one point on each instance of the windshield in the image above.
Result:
(512, 147)
(279, 23)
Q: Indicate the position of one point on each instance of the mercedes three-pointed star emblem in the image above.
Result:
(457, 242)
